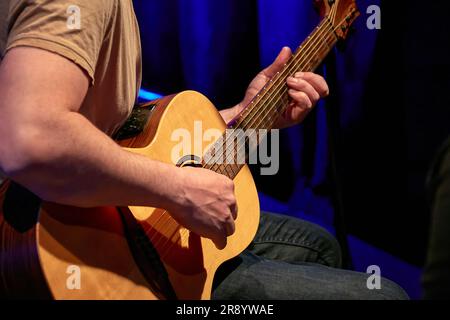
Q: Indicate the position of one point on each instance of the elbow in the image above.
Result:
(23, 152)
(32, 157)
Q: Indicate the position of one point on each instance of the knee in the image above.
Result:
(307, 234)
(330, 251)
(353, 285)
(328, 248)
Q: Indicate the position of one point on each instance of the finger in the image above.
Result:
(295, 114)
(302, 99)
(230, 227)
(278, 64)
(304, 86)
(317, 81)
(234, 210)
(220, 242)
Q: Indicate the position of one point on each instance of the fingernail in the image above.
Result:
(299, 74)
(292, 79)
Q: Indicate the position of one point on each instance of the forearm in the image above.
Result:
(80, 166)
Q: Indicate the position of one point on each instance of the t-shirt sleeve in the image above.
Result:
(74, 29)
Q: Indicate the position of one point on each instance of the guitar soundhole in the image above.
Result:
(190, 161)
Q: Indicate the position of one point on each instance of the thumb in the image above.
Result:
(278, 64)
(220, 242)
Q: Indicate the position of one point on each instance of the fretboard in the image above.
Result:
(264, 110)
(266, 107)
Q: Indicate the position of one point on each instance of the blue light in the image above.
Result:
(146, 95)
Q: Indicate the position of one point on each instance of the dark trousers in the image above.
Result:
(294, 259)
(436, 277)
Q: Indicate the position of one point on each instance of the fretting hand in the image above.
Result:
(305, 90)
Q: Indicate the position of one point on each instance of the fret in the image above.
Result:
(229, 172)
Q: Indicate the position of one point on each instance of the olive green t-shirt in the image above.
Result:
(100, 36)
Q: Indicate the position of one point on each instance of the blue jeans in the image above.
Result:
(294, 259)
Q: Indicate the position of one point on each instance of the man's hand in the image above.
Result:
(305, 90)
(206, 204)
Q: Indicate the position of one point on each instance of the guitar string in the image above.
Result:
(255, 104)
(288, 65)
(185, 233)
(281, 86)
(312, 48)
(177, 227)
(320, 47)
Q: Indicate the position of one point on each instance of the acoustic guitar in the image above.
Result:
(50, 251)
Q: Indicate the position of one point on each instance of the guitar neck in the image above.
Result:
(262, 113)
(265, 108)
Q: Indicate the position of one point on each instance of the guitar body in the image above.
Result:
(60, 252)
(191, 261)
(38, 263)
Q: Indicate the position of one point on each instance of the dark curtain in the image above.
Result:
(217, 47)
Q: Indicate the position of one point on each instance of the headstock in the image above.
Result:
(340, 13)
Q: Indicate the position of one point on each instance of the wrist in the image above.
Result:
(175, 196)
